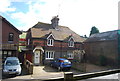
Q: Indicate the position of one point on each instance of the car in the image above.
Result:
(61, 64)
(12, 65)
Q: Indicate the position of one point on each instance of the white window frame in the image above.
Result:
(9, 53)
(50, 42)
(70, 55)
(49, 55)
(71, 43)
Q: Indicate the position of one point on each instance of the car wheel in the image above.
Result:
(19, 74)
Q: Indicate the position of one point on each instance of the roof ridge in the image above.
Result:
(48, 24)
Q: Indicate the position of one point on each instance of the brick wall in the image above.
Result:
(105, 51)
(6, 29)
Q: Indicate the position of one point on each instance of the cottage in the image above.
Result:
(103, 49)
(49, 41)
(10, 39)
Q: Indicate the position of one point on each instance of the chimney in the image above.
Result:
(54, 22)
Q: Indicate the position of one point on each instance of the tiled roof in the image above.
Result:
(42, 30)
(105, 36)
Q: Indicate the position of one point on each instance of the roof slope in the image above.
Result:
(110, 35)
(41, 30)
(3, 19)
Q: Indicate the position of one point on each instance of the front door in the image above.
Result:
(37, 58)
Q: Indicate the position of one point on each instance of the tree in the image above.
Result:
(94, 30)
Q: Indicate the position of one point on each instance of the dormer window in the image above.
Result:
(71, 42)
(50, 40)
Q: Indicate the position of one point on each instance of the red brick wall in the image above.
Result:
(56, 44)
(29, 57)
(6, 29)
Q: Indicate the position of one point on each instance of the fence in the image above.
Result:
(29, 66)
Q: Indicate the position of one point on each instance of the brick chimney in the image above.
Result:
(54, 22)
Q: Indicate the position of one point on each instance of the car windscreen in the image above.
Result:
(12, 62)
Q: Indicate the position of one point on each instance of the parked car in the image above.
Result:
(61, 64)
(12, 66)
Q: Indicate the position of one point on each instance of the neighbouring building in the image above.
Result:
(103, 49)
(9, 39)
(22, 41)
(46, 42)
(22, 46)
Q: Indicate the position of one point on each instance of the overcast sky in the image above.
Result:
(78, 15)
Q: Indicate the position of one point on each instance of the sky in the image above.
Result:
(78, 15)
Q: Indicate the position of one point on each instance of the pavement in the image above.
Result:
(111, 76)
(43, 73)
(47, 72)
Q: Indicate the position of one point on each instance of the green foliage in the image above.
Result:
(94, 30)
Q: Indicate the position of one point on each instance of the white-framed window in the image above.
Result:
(11, 37)
(5, 52)
(71, 43)
(50, 42)
(49, 55)
(70, 55)
(9, 53)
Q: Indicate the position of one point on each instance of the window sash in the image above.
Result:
(50, 42)
(70, 56)
(71, 43)
(49, 55)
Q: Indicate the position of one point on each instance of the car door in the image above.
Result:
(57, 63)
(54, 63)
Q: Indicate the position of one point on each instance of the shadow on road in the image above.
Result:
(52, 69)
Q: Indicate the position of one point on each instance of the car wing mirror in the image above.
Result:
(20, 63)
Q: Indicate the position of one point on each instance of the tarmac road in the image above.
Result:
(45, 72)
(41, 72)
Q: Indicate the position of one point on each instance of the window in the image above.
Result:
(10, 37)
(50, 42)
(49, 55)
(9, 53)
(5, 54)
(70, 56)
(71, 43)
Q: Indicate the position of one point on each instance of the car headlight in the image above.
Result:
(18, 70)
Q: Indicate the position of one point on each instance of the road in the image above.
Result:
(41, 72)
(111, 77)
(46, 72)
